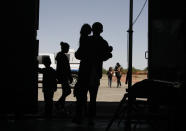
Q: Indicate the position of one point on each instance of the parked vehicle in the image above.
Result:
(74, 64)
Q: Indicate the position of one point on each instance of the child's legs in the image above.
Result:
(48, 97)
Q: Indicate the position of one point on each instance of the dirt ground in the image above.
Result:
(135, 78)
(104, 93)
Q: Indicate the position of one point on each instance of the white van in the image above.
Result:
(74, 64)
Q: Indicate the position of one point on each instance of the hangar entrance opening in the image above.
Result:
(62, 21)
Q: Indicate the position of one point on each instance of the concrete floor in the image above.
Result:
(105, 112)
(63, 125)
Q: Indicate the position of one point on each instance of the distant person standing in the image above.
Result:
(63, 74)
(110, 75)
(49, 85)
(118, 74)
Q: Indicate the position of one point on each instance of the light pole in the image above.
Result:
(129, 76)
(130, 46)
(129, 73)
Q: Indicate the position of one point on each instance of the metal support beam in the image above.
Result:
(130, 46)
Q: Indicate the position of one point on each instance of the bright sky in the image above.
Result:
(61, 20)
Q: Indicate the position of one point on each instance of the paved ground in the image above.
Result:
(104, 94)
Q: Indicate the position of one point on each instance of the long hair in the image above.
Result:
(85, 31)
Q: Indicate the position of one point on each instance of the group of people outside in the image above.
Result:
(62, 75)
(89, 75)
(117, 71)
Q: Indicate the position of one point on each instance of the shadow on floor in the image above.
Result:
(142, 120)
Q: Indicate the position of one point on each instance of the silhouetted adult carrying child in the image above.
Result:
(63, 74)
(49, 85)
(95, 50)
(110, 74)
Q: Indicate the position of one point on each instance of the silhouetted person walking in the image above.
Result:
(63, 74)
(118, 74)
(110, 75)
(49, 85)
(95, 51)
